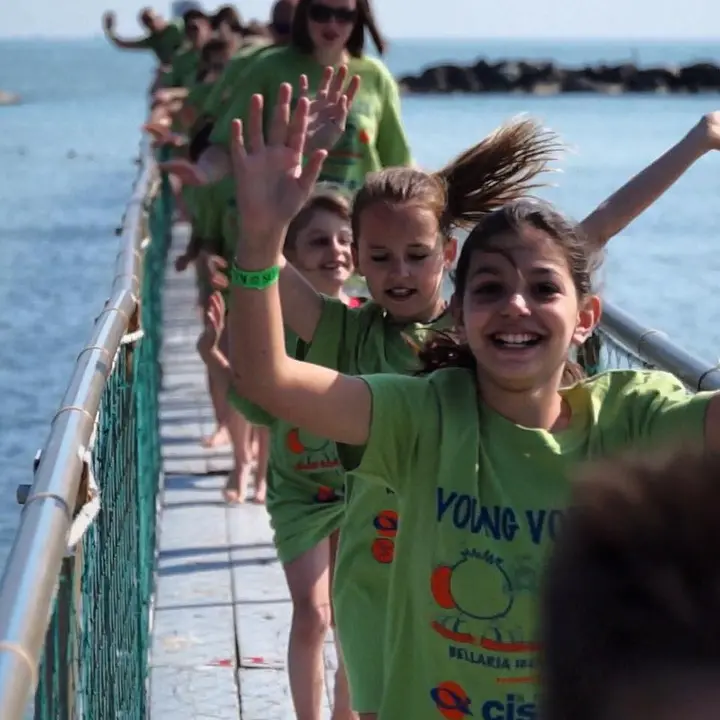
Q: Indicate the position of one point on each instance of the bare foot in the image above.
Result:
(235, 491)
(260, 494)
(233, 497)
(219, 438)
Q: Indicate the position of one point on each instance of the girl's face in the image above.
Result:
(404, 259)
(323, 252)
(521, 312)
(330, 23)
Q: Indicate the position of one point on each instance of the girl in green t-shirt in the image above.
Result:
(402, 220)
(305, 481)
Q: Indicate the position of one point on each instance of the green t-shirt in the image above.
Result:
(374, 137)
(199, 93)
(227, 84)
(482, 501)
(167, 42)
(183, 72)
(305, 482)
(366, 340)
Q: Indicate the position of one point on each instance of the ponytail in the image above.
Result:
(500, 168)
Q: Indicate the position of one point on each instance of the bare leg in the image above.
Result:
(308, 578)
(262, 455)
(342, 709)
(218, 388)
(239, 431)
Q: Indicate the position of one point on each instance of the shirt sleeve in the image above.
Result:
(392, 144)
(658, 410)
(402, 413)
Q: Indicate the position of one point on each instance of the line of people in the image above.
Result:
(420, 448)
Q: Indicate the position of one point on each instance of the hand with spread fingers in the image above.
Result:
(271, 181)
(328, 111)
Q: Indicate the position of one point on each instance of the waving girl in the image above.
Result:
(523, 299)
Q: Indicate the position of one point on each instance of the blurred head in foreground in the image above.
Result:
(631, 606)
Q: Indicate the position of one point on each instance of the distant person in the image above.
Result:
(227, 24)
(164, 38)
(631, 628)
(184, 69)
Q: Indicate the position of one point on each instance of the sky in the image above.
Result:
(659, 19)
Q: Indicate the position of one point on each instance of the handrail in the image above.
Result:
(29, 582)
(655, 348)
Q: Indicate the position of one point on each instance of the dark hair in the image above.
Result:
(634, 576)
(194, 14)
(300, 36)
(216, 45)
(326, 199)
(227, 14)
(446, 350)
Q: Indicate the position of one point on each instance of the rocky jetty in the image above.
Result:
(548, 78)
(7, 98)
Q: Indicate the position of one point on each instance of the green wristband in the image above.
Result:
(254, 279)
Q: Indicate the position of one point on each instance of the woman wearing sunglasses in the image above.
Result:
(325, 33)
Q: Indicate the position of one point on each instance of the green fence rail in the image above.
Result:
(76, 594)
(76, 591)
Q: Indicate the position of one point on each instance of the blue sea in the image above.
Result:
(67, 164)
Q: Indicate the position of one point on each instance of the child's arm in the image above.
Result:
(616, 212)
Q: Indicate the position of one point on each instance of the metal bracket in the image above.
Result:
(87, 505)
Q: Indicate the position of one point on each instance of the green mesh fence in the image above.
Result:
(602, 352)
(96, 651)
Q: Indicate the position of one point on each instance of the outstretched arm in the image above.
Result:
(271, 186)
(142, 43)
(640, 192)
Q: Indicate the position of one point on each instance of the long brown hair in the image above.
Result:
(300, 36)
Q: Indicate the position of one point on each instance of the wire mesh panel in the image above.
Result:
(96, 649)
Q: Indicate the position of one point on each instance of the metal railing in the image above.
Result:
(75, 593)
(77, 587)
(626, 343)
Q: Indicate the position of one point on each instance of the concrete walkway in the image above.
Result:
(222, 610)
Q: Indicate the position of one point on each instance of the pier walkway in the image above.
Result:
(222, 611)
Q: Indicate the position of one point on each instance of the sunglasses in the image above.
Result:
(320, 13)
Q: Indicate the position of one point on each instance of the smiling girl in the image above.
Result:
(494, 416)
(305, 489)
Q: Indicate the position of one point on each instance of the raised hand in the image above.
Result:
(271, 182)
(328, 111)
(710, 125)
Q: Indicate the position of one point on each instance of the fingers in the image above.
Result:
(352, 89)
(297, 131)
(303, 86)
(218, 281)
(281, 116)
(256, 140)
(217, 262)
(338, 82)
(311, 171)
(323, 87)
(238, 155)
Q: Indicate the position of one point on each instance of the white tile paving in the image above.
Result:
(222, 610)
